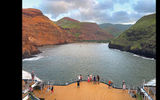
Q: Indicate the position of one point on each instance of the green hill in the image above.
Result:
(114, 29)
(140, 38)
(67, 22)
(83, 31)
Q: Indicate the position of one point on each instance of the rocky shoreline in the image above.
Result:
(32, 54)
(112, 46)
(137, 51)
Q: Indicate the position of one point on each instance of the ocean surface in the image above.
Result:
(61, 64)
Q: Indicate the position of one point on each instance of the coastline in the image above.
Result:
(137, 52)
(116, 48)
(82, 41)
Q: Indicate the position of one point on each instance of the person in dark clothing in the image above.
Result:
(78, 83)
(32, 75)
(94, 79)
(98, 78)
(80, 77)
(52, 89)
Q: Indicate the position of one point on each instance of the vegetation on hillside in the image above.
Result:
(114, 29)
(83, 30)
(68, 23)
(139, 38)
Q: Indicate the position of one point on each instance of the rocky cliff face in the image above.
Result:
(28, 50)
(38, 30)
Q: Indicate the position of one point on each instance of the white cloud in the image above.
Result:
(100, 11)
(145, 6)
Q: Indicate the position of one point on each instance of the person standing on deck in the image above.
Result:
(80, 77)
(124, 86)
(123, 83)
(43, 86)
(52, 89)
(109, 83)
(98, 78)
(94, 79)
(78, 83)
(48, 88)
(88, 79)
(32, 75)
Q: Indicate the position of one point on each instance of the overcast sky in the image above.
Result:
(99, 11)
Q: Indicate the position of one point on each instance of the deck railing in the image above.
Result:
(114, 85)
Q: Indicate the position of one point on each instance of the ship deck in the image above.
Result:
(86, 91)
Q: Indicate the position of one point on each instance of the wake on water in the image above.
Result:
(33, 58)
(136, 55)
(143, 57)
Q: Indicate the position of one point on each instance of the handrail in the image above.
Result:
(145, 93)
(114, 85)
(54, 82)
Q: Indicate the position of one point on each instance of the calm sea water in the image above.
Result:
(63, 63)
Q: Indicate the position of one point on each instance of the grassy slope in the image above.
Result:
(139, 38)
(68, 24)
(114, 29)
(76, 28)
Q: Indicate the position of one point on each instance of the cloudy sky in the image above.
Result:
(99, 11)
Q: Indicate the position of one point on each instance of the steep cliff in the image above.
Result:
(38, 30)
(139, 38)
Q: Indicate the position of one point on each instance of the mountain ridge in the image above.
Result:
(114, 29)
(83, 30)
(39, 30)
(140, 38)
